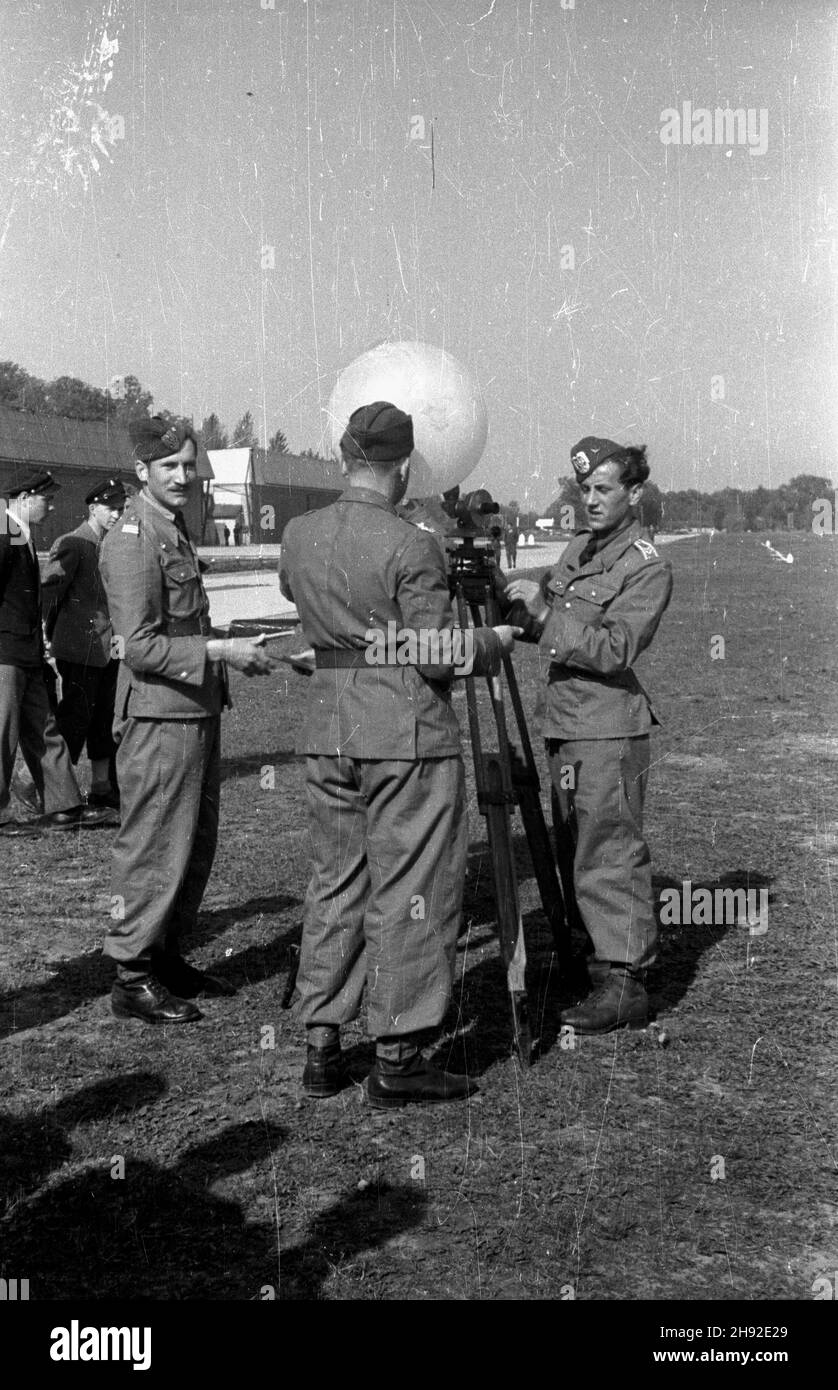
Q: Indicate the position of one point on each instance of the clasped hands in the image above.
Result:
(245, 654)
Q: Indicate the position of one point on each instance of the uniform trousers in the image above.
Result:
(169, 774)
(85, 711)
(604, 862)
(389, 841)
(26, 719)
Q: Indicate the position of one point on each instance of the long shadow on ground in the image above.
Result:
(161, 1233)
(86, 977)
(481, 1011)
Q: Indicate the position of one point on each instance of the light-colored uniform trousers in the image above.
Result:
(389, 841)
(603, 857)
(170, 781)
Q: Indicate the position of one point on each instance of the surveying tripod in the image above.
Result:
(506, 776)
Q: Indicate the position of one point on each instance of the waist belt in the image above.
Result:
(189, 627)
(330, 658)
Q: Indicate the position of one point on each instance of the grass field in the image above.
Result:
(185, 1164)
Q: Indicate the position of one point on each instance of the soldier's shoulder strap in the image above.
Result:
(129, 525)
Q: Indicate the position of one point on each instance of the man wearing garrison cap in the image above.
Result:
(594, 614)
(171, 689)
(79, 632)
(25, 715)
(384, 772)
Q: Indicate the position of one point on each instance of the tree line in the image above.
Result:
(790, 506)
(123, 401)
(787, 507)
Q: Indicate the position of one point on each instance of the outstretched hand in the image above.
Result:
(507, 634)
(528, 592)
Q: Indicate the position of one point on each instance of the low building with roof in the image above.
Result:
(262, 491)
(78, 453)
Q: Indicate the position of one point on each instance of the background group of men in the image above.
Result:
(57, 668)
(384, 770)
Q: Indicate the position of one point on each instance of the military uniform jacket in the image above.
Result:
(603, 614)
(160, 616)
(351, 567)
(78, 625)
(21, 639)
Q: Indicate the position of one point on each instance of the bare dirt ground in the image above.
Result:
(185, 1163)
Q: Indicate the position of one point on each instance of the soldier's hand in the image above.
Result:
(245, 654)
(507, 634)
(530, 594)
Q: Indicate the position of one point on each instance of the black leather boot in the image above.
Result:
(324, 1073)
(186, 980)
(148, 999)
(619, 1001)
(392, 1084)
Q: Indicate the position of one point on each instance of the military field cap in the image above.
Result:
(156, 438)
(589, 453)
(109, 491)
(37, 482)
(378, 433)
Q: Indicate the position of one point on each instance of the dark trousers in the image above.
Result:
(170, 788)
(26, 719)
(388, 846)
(85, 711)
(598, 791)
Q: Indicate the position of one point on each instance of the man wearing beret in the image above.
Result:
(25, 715)
(595, 613)
(78, 628)
(384, 772)
(170, 692)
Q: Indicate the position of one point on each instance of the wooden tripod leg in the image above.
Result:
(544, 865)
(526, 785)
(495, 798)
(510, 922)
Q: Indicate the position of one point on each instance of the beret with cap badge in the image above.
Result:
(153, 438)
(590, 452)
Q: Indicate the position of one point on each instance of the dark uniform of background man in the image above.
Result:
(384, 774)
(600, 607)
(78, 629)
(25, 715)
(170, 693)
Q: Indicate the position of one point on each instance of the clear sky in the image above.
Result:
(240, 198)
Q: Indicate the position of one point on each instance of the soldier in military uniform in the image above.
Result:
(25, 715)
(595, 613)
(78, 628)
(170, 692)
(384, 773)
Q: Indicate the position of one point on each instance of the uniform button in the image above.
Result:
(593, 593)
(570, 588)
(183, 675)
(567, 605)
(552, 651)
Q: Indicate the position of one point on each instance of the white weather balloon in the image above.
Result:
(442, 396)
